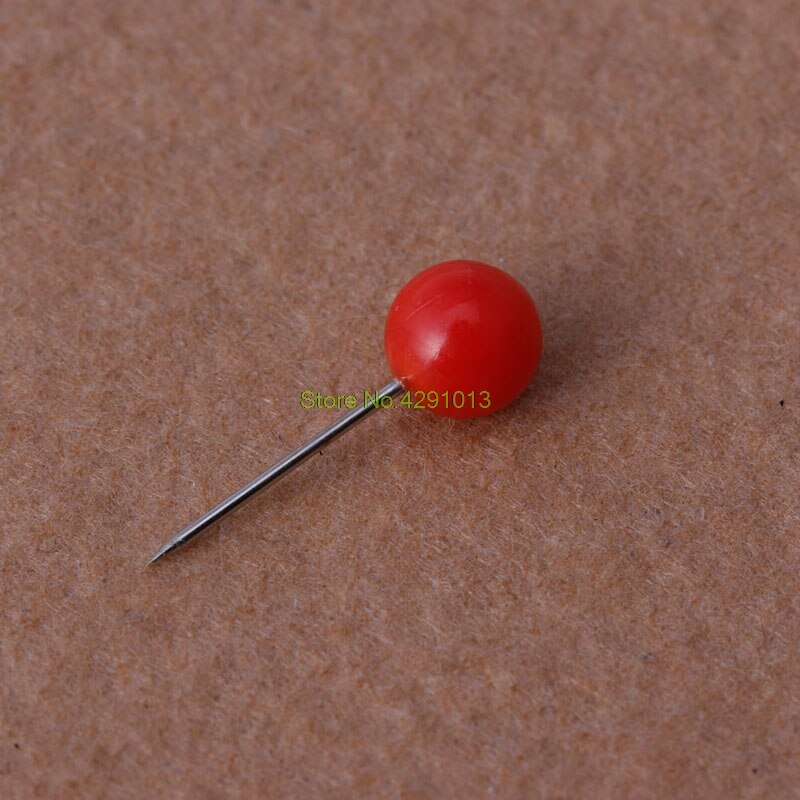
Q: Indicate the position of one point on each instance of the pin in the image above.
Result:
(462, 338)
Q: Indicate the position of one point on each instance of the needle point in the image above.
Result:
(165, 548)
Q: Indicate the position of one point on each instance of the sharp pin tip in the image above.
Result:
(161, 552)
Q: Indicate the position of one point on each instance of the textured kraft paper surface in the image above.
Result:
(207, 208)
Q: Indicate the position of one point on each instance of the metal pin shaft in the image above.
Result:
(277, 471)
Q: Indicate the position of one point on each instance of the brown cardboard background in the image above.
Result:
(208, 207)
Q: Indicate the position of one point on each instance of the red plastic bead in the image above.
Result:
(459, 330)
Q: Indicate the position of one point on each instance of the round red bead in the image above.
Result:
(463, 328)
